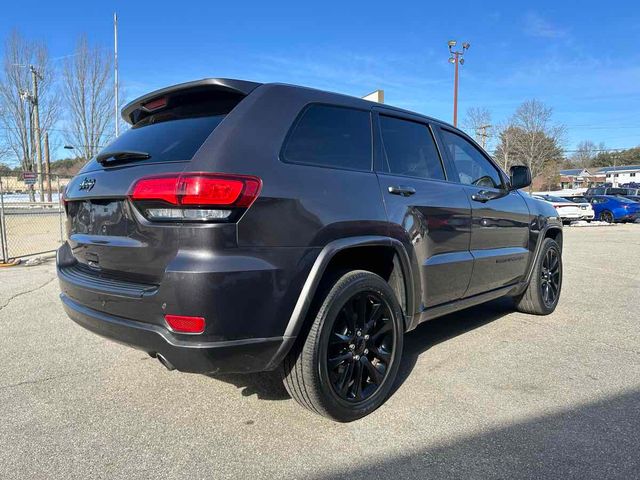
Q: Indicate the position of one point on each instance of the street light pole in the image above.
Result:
(456, 58)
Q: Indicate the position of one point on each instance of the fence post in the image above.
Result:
(3, 229)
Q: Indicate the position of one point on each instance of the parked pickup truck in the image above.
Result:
(244, 227)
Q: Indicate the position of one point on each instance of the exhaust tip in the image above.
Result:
(167, 364)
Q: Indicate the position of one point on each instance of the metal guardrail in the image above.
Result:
(31, 219)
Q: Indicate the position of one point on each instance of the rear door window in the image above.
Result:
(330, 136)
(409, 149)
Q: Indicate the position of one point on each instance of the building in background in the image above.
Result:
(375, 96)
(580, 178)
(619, 175)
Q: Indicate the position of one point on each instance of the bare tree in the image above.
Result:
(585, 153)
(538, 141)
(89, 94)
(477, 123)
(15, 84)
(506, 151)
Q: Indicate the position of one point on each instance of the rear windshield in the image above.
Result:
(169, 140)
(176, 131)
(618, 191)
(551, 198)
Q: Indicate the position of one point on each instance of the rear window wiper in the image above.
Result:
(121, 156)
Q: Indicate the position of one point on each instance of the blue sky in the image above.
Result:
(581, 58)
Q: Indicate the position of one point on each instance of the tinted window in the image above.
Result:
(332, 137)
(169, 140)
(473, 168)
(410, 149)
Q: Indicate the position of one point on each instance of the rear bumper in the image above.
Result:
(187, 355)
(570, 216)
(245, 299)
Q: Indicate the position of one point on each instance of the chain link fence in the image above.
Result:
(31, 214)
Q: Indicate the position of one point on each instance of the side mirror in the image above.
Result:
(520, 177)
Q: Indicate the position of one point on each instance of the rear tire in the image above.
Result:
(346, 366)
(607, 216)
(542, 295)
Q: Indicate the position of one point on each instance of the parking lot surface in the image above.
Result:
(485, 393)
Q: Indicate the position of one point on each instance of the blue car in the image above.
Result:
(614, 209)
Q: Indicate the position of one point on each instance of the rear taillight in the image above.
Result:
(194, 197)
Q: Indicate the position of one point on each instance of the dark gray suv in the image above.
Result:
(243, 227)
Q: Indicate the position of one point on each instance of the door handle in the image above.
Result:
(482, 196)
(402, 190)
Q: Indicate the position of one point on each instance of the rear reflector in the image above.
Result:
(184, 324)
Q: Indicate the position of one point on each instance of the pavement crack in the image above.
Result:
(26, 292)
(40, 380)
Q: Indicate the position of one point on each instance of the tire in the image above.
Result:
(534, 300)
(607, 216)
(311, 372)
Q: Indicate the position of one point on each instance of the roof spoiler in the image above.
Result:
(240, 87)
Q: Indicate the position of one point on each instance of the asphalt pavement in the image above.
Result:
(485, 393)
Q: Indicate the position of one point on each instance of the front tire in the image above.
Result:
(346, 366)
(542, 295)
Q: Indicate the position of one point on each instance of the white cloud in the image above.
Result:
(537, 26)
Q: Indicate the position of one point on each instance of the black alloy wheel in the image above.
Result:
(543, 292)
(360, 347)
(550, 277)
(346, 365)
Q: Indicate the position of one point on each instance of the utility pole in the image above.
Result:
(115, 68)
(35, 76)
(456, 58)
(482, 133)
(47, 165)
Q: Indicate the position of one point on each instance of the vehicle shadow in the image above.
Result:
(584, 441)
(265, 385)
(439, 330)
(268, 385)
